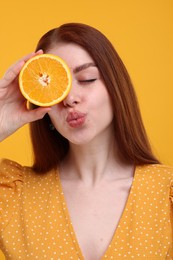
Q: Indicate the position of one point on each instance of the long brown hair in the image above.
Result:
(50, 147)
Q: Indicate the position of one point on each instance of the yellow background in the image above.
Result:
(141, 31)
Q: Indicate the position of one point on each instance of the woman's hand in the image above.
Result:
(13, 110)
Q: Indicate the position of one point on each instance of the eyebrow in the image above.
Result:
(83, 67)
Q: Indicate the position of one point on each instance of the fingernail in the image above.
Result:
(39, 51)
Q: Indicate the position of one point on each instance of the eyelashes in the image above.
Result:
(87, 81)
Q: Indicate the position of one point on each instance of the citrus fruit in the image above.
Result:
(45, 80)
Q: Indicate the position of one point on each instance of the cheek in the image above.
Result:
(57, 108)
(106, 109)
(103, 102)
(55, 113)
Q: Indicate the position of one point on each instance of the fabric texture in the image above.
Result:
(35, 222)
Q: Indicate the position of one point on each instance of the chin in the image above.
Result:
(80, 141)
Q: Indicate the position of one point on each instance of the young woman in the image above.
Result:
(95, 190)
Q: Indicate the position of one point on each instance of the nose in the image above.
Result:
(73, 98)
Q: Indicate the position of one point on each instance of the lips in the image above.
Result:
(75, 119)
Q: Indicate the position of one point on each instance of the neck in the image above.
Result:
(93, 163)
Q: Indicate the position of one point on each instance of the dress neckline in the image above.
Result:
(118, 228)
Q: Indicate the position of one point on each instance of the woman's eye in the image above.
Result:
(86, 81)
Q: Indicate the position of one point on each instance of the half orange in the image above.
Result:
(45, 80)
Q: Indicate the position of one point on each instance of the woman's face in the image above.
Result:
(86, 113)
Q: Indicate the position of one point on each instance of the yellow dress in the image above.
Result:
(35, 223)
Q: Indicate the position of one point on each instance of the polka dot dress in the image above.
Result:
(35, 222)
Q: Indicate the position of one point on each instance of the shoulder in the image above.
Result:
(157, 177)
(11, 178)
(10, 171)
(16, 183)
(157, 171)
(13, 173)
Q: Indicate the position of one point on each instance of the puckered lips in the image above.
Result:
(75, 119)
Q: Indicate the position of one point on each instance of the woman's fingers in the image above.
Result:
(11, 74)
(14, 70)
(35, 114)
(13, 111)
(30, 55)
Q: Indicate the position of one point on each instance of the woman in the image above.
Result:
(95, 191)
